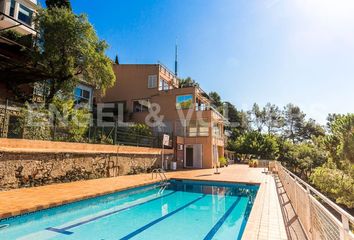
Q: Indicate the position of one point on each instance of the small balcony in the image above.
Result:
(18, 17)
(192, 128)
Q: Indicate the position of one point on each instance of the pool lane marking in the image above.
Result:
(244, 221)
(221, 221)
(64, 230)
(143, 228)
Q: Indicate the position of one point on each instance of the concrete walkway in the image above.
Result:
(265, 222)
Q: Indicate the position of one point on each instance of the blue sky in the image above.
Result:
(278, 51)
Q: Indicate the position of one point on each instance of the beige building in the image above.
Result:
(151, 94)
(18, 15)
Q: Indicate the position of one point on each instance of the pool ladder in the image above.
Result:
(163, 179)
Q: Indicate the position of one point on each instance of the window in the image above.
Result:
(184, 101)
(25, 14)
(82, 95)
(141, 105)
(12, 8)
(41, 88)
(152, 81)
(163, 85)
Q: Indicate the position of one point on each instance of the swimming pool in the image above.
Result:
(180, 210)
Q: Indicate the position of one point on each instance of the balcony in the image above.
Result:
(215, 114)
(192, 128)
(169, 75)
(17, 16)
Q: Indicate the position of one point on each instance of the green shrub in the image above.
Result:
(335, 183)
(222, 161)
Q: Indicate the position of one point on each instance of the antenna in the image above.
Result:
(176, 59)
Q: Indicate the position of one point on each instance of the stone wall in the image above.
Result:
(19, 170)
(22, 166)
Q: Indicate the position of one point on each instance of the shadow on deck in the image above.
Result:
(292, 223)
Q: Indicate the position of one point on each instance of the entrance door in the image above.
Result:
(193, 156)
(198, 156)
(189, 156)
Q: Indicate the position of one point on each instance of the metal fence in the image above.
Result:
(320, 217)
(12, 126)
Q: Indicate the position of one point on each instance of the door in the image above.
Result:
(198, 155)
(189, 156)
(193, 156)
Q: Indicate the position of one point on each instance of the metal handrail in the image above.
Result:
(161, 173)
(344, 221)
(19, 22)
(323, 198)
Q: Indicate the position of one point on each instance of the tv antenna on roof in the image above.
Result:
(176, 59)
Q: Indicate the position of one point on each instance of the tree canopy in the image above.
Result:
(322, 156)
(70, 51)
(216, 99)
(58, 4)
(187, 82)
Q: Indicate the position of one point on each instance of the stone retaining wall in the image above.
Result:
(21, 166)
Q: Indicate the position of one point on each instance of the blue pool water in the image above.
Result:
(183, 210)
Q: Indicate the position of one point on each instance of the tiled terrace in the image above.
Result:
(265, 222)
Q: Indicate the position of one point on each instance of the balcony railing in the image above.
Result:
(25, 40)
(320, 217)
(192, 128)
(211, 108)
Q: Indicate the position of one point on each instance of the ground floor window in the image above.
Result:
(83, 95)
(142, 105)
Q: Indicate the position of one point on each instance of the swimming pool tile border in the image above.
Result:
(216, 181)
(11, 215)
(242, 175)
(38, 208)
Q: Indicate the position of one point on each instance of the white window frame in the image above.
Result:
(152, 81)
(163, 85)
(86, 88)
(27, 12)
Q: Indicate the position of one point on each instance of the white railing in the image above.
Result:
(317, 220)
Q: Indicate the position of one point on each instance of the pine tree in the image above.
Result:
(116, 60)
(58, 3)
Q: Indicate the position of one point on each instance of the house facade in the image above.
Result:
(18, 15)
(150, 94)
(16, 75)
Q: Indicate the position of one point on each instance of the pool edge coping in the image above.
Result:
(25, 211)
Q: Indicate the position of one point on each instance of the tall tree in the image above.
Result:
(216, 99)
(58, 4)
(340, 141)
(258, 117)
(70, 51)
(187, 82)
(116, 60)
(311, 129)
(294, 120)
(239, 121)
(273, 118)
